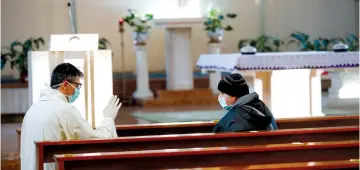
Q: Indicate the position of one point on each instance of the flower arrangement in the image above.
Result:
(140, 24)
(214, 26)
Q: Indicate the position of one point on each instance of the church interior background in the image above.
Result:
(271, 25)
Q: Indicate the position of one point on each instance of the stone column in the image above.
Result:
(142, 74)
(214, 77)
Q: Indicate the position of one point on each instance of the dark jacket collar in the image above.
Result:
(245, 99)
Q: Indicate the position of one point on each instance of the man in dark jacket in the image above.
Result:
(245, 112)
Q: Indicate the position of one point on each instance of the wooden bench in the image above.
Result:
(352, 164)
(46, 150)
(206, 127)
(216, 156)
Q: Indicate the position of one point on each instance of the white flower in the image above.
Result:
(137, 21)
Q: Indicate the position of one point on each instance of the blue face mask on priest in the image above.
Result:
(244, 110)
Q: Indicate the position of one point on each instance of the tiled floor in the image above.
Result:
(9, 147)
(9, 137)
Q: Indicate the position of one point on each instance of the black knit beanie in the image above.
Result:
(234, 85)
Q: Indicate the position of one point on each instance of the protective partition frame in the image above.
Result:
(96, 66)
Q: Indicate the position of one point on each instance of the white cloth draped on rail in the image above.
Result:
(278, 61)
(14, 100)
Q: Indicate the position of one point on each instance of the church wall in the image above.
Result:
(319, 18)
(357, 16)
(24, 18)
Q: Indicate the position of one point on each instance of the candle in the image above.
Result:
(121, 21)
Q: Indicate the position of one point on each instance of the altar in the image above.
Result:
(276, 75)
(179, 71)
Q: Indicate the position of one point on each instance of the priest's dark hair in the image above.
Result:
(62, 72)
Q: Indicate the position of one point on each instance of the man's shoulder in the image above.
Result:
(230, 116)
(51, 107)
(232, 121)
(235, 111)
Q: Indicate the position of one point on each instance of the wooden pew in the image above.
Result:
(352, 164)
(215, 156)
(46, 150)
(206, 127)
(18, 131)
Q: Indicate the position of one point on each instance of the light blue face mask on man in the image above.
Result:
(222, 102)
(73, 97)
(76, 94)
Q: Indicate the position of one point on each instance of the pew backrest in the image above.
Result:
(206, 127)
(352, 164)
(47, 149)
(214, 156)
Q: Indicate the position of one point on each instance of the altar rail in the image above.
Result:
(14, 98)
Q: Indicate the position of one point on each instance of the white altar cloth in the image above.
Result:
(278, 61)
(288, 82)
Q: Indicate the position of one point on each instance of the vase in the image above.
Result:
(140, 38)
(24, 76)
(216, 36)
(16, 73)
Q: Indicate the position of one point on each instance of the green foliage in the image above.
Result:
(215, 18)
(353, 42)
(322, 44)
(103, 44)
(140, 24)
(302, 40)
(266, 43)
(263, 43)
(305, 44)
(17, 53)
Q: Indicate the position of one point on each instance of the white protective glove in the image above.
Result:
(112, 108)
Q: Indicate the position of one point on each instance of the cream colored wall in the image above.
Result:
(24, 18)
(316, 17)
(357, 16)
